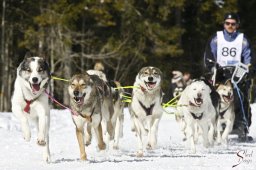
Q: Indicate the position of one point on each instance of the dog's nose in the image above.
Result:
(76, 93)
(229, 93)
(35, 79)
(199, 95)
(150, 78)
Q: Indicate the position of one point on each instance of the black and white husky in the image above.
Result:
(146, 110)
(29, 102)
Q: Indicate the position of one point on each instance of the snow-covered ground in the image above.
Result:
(16, 154)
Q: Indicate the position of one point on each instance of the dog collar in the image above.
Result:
(142, 89)
(197, 117)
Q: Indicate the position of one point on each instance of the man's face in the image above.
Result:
(230, 25)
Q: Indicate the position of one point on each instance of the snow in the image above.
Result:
(171, 153)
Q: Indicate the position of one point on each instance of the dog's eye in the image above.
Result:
(40, 69)
(83, 86)
(28, 70)
(73, 86)
(146, 73)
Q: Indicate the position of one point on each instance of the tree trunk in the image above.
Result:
(2, 83)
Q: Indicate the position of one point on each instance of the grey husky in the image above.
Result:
(146, 110)
(90, 101)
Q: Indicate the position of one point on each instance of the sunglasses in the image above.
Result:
(230, 23)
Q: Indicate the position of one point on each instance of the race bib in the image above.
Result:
(229, 53)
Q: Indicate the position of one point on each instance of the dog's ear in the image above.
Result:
(44, 56)
(228, 83)
(159, 72)
(28, 55)
(142, 70)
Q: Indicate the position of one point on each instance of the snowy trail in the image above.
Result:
(16, 154)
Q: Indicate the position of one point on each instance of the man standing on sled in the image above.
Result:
(227, 48)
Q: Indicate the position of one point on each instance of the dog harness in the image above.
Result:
(197, 117)
(27, 107)
(222, 113)
(88, 118)
(147, 110)
(28, 103)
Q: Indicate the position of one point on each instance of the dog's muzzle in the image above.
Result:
(35, 87)
(150, 84)
(198, 101)
(227, 98)
(78, 99)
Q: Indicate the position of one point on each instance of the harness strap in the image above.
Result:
(197, 117)
(28, 103)
(222, 113)
(88, 118)
(54, 100)
(27, 107)
(147, 110)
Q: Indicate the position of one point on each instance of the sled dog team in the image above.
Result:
(96, 104)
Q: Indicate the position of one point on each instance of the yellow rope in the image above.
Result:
(172, 99)
(128, 97)
(127, 100)
(57, 78)
(127, 87)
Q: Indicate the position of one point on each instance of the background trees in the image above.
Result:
(124, 35)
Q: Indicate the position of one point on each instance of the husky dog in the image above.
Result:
(145, 108)
(29, 100)
(226, 116)
(199, 113)
(90, 101)
(118, 116)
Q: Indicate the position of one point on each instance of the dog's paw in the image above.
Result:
(87, 142)
(149, 147)
(47, 158)
(139, 154)
(83, 157)
(115, 147)
(206, 144)
(41, 142)
(192, 151)
(27, 136)
(133, 129)
(102, 146)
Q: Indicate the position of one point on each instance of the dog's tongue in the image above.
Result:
(79, 100)
(151, 85)
(36, 87)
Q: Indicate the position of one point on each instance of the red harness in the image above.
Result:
(27, 107)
